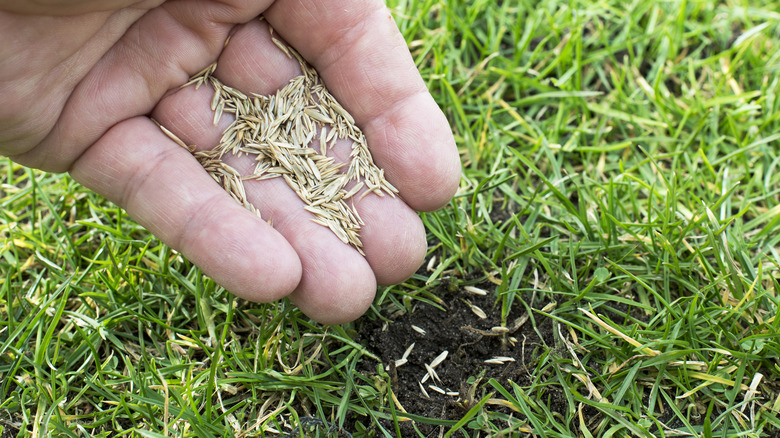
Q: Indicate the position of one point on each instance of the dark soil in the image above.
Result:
(8, 428)
(469, 340)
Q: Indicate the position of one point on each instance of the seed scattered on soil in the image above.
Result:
(419, 330)
(437, 389)
(474, 290)
(499, 360)
(477, 310)
(439, 359)
(405, 357)
(408, 351)
(430, 369)
(425, 393)
(430, 373)
(431, 264)
(277, 130)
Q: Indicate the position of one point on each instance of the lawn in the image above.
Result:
(609, 267)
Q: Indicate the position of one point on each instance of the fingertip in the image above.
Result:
(415, 145)
(252, 62)
(340, 294)
(394, 238)
(437, 180)
(340, 307)
(282, 272)
(244, 255)
(167, 191)
(404, 258)
(272, 269)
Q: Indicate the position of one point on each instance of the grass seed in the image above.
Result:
(277, 130)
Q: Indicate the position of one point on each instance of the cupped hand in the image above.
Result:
(80, 82)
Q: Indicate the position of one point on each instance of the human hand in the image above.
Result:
(79, 86)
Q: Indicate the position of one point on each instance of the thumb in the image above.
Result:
(72, 7)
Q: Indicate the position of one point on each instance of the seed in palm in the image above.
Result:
(277, 130)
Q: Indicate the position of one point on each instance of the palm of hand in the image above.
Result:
(79, 91)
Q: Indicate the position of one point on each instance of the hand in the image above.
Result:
(79, 81)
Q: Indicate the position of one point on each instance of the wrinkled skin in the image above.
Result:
(80, 82)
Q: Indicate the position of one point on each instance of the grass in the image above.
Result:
(620, 162)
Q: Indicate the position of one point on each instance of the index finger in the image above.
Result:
(363, 59)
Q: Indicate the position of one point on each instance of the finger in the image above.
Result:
(337, 285)
(364, 61)
(70, 8)
(165, 190)
(393, 237)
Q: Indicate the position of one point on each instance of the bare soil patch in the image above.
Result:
(479, 347)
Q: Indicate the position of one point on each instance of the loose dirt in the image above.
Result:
(478, 349)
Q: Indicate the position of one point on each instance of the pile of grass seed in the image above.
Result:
(277, 130)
